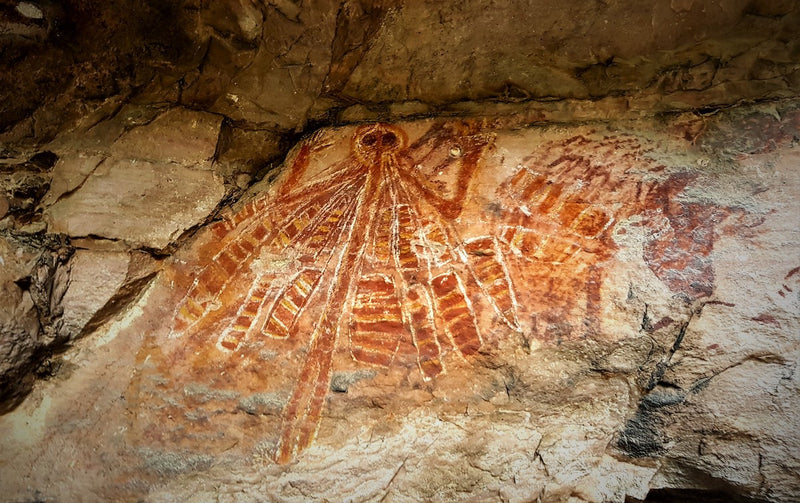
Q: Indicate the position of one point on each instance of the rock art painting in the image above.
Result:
(415, 246)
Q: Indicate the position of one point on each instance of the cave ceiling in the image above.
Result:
(288, 66)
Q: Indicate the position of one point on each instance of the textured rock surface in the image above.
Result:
(142, 203)
(282, 65)
(671, 366)
(137, 178)
(153, 181)
(125, 178)
(90, 280)
(54, 294)
(19, 330)
(661, 356)
(738, 359)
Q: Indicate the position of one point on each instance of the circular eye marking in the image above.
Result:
(369, 139)
(455, 151)
(374, 142)
(389, 139)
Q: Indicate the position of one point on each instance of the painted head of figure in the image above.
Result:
(372, 143)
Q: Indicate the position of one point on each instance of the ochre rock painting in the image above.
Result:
(414, 246)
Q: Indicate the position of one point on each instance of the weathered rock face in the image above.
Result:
(528, 253)
(117, 190)
(159, 168)
(20, 320)
(445, 310)
(282, 65)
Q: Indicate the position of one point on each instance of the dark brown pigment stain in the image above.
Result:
(384, 256)
(680, 256)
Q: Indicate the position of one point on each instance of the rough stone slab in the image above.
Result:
(140, 202)
(243, 153)
(178, 135)
(92, 278)
(4, 206)
(69, 172)
(19, 319)
(96, 132)
(279, 83)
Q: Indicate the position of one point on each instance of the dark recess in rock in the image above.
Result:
(89, 51)
(693, 496)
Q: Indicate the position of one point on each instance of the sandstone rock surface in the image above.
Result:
(579, 190)
(19, 320)
(657, 356)
(282, 65)
(149, 185)
(139, 202)
(91, 279)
